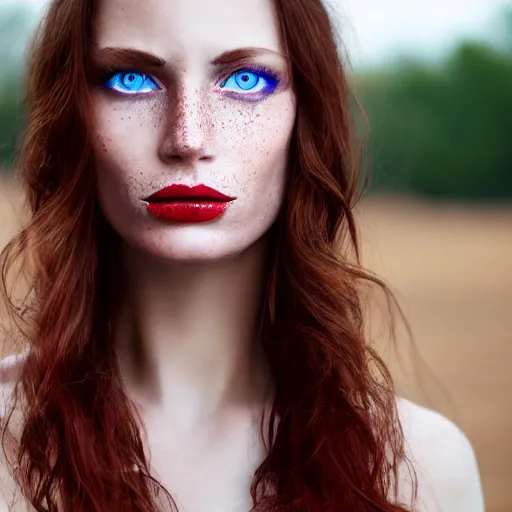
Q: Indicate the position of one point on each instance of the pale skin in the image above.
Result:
(186, 340)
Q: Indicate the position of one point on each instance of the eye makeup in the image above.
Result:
(129, 72)
(132, 82)
(250, 83)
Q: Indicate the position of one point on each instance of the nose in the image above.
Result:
(188, 130)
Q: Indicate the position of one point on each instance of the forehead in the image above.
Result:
(178, 29)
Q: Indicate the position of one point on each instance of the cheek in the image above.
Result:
(257, 140)
(124, 134)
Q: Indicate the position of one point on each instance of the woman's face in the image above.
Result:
(192, 93)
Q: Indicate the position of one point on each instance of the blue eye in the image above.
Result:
(250, 83)
(131, 82)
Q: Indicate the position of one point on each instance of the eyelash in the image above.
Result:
(112, 80)
(264, 73)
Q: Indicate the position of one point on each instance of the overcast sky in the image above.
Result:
(375, 30)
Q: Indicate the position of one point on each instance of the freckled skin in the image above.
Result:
(190, 133)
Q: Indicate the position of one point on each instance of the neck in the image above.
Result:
(187, 339)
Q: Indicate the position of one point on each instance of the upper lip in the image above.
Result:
(197, 192)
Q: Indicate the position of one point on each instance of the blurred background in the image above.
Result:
(435, 81)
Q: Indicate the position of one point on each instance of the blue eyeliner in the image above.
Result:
(252, 83)
(131, 82)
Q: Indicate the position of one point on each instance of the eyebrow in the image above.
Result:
(111, 57)
(241, 54)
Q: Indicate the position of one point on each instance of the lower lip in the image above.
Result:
(188, 211)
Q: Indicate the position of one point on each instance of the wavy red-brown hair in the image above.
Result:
(334, 438)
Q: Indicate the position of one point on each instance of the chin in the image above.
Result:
(193, 244)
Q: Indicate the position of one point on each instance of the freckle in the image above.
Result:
(122, 118)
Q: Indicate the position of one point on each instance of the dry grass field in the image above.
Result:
(451, 268)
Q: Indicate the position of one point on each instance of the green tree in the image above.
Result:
(443, 130)
(15, 28)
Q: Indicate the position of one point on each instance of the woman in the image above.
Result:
(195, 328)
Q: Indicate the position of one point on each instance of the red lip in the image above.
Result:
(181, 203)
(186, 192)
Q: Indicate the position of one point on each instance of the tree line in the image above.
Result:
(443, 130)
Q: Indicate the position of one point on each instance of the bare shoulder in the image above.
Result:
(10, 368)
(9, 371)
(443, 459)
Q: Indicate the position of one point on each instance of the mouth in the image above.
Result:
(184, 204)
